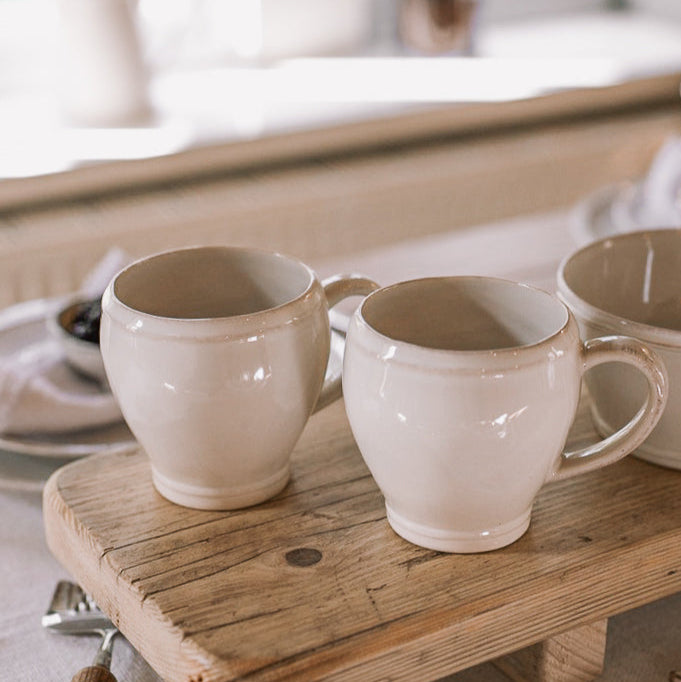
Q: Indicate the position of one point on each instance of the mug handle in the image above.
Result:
(633, 433)
(336, 289)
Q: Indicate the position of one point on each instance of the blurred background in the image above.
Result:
(86, 81)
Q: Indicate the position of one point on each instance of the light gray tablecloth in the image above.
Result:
(643, 645)
(28, 574)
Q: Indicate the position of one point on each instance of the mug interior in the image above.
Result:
(464, 313)
(211, 282)
(634, 276)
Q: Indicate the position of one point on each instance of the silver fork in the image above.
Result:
(72, 612)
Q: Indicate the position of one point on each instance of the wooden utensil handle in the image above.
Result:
(94, 673)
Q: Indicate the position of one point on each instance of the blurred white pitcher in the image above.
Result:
(460, 392)
(217, 357)
(103, 76)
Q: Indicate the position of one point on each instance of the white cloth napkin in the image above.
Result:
(40, 393)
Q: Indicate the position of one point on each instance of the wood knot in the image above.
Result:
(303, 556)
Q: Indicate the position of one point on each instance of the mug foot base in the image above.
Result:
(459, 542)
(225, 498)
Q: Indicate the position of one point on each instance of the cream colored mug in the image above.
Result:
(217, 357)
(630, 283)
(460, 392)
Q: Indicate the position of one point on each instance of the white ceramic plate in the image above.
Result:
(21, 472)
(601, 214)
(21, 325)
(616, 209)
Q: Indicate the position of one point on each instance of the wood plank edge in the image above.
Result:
(398, 651)
(128, 611)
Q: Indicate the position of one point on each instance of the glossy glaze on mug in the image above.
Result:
(631, 284)
(460, 392)
(217, 356)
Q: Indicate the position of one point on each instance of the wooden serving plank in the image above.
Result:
(314, 584)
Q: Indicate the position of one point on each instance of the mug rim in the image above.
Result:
(593, 314)
(237, 325)
(500, 352)
(274, 255)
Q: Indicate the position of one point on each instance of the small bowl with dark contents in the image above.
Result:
(76, 328)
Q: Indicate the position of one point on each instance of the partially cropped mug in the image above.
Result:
(630, 283)
(460, 392)
(217, 356)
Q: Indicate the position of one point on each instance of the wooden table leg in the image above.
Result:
(574, 656)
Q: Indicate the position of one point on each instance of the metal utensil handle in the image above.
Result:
(103, 656)
(94, 673)
(99, 670)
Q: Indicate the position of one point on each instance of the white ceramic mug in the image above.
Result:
(631, 284)
(217, 357)
(460, 392)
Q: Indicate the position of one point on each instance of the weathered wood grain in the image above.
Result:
(314, 584)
